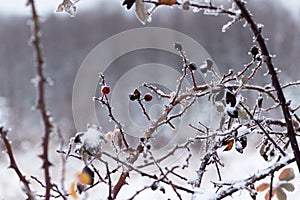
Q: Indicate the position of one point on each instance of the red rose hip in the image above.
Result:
(148, 97)
(105, 89)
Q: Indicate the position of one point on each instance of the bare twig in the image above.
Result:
(13, 164)
(104, 100)
(263, 129)
(246, 67)
(271, 186)
(156, 91)
(144, 110)
(255, 70)
(199, 6)
(287, 85)
(170, 153)
(63, 160)
(109, 182)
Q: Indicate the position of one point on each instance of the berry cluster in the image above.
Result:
(136, 95)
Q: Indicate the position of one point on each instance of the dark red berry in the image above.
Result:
(192, 66)
(105, 89)
(254, 50)
(148, 97)
(132, 97)
(154, 186)
(137, 93)
(258, 58)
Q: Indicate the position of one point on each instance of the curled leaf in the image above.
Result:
(230, 98)
(280, 194)
(86, 176)
(186, 5)
(240, 144)
(288, 186)
(141, 11)
(68, 6)
(229, 144)
(287, 174)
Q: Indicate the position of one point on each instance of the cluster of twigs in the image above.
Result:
(238, 122)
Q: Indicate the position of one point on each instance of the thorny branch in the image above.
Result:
(275, 80)
(41, 101)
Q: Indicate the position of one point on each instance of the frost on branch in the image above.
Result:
(247, 124)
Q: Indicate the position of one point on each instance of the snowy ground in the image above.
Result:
(237, 166)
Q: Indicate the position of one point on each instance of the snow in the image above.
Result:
(237, 167)
(91, 138)
(243, 130)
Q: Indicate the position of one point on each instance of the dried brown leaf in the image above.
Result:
(287, 174)
(280, 194)
(262, 187)
(287, 186)
(229, 144)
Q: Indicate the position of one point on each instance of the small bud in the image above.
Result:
(154, 186)
(192, 66)
(178, 46)
(105, 89)
(186, 5)
(148, 97)
(148, 146)
(254, 50)
(140, 149)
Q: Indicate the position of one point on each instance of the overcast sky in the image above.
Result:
(17, 7)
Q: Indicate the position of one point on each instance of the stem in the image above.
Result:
(244, 183)
(41, 102)
(13, 165)
(275, 81)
